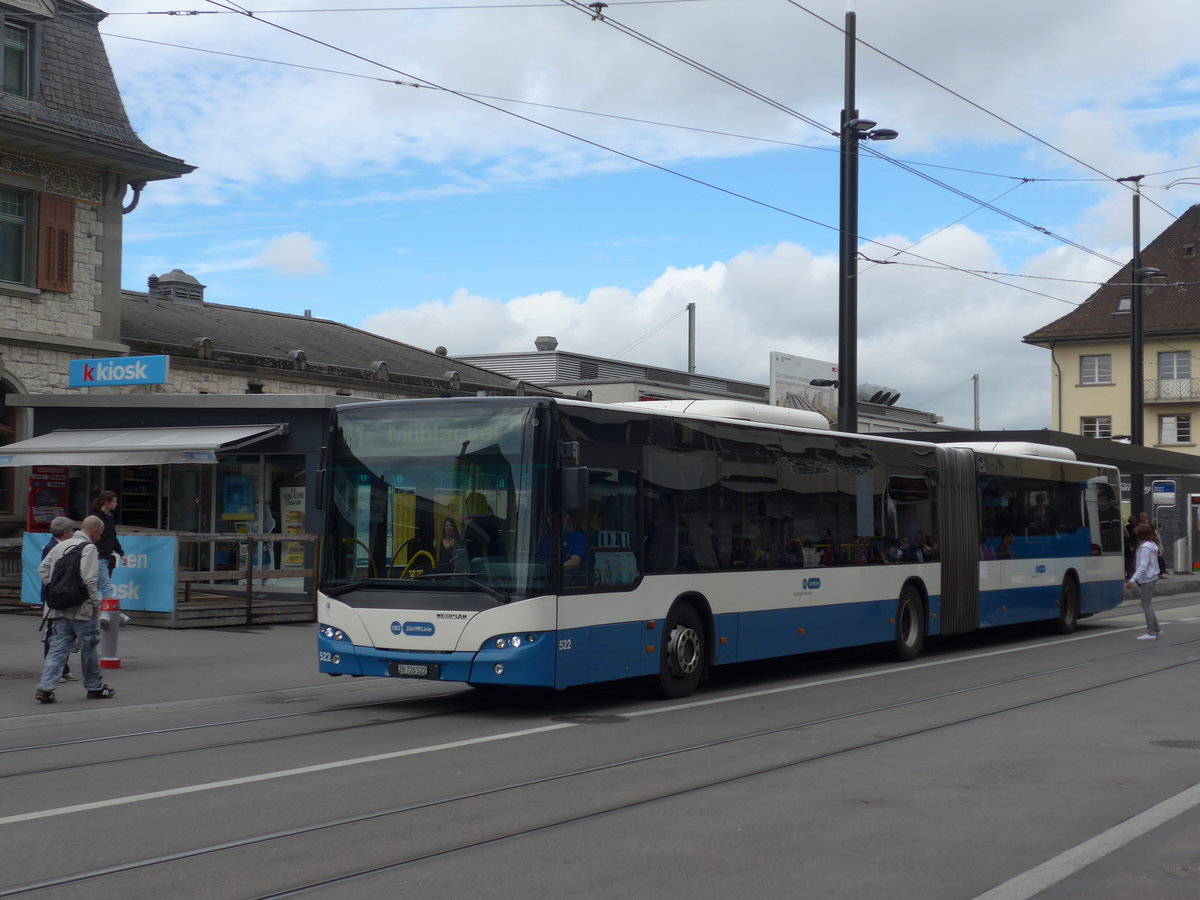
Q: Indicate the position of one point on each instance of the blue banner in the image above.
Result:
(119, 371)
(146, 583)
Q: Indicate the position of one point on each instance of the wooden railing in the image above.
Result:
(190, 544)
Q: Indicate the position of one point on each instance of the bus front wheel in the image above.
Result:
(682, 659)
(910, 625)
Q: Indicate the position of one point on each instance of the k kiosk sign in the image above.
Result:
(119, 371)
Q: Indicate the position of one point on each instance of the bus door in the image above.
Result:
(1193, 531)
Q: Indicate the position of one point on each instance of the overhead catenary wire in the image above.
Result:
(636, 35)
(906, 166)
(964, 99)
(422, 82)
(649, 334)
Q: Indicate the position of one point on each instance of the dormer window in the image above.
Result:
(17, 52)
(1123, 304)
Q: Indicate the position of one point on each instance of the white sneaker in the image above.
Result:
(1147, 637)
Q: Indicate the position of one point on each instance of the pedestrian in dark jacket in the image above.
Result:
(109, 545)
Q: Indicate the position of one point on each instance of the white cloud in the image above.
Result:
(293, 254)
(921, 331)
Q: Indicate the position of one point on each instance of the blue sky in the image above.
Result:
(426, 217)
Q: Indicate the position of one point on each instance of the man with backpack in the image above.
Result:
(70, 572)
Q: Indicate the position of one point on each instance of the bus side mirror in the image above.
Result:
(574, 487)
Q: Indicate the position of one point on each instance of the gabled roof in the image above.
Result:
(162, 324)
(1170, 306)
(78, 113)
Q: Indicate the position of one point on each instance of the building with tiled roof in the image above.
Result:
(71, 168)
(219, 349)
(1090, 348)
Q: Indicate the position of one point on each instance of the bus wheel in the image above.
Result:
(910, 625)
(1068, 608)
(682, 660)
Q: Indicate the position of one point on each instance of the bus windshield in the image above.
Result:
(432, 498)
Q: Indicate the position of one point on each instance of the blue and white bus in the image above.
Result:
(552, 542)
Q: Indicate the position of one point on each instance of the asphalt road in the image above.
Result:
(1000, 766)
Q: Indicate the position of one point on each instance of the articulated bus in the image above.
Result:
(553, 542)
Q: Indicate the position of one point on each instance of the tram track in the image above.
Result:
(473, 705)
(464, 846)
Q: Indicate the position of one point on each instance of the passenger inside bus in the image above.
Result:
(482, 528)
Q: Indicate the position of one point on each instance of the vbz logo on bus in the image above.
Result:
(1039, 570)
(812, 584)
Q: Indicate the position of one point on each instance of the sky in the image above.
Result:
(475, 173)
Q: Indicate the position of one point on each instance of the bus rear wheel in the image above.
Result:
(684, 654)
(1068, 608)
(910, 625)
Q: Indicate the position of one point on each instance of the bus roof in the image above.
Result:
(736, 409)
(1017, 448)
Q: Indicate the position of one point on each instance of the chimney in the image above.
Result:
(178, 286)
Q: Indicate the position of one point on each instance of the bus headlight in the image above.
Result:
(498, 669)
(501, 643)
(334, 634)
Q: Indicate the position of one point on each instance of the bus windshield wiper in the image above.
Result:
(338, 589)
(494, 592)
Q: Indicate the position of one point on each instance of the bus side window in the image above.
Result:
(610, 526)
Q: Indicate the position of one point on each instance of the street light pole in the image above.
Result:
(848, 250)
(853, 130)
(1137, 414)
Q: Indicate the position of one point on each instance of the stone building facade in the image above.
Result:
(70, 167)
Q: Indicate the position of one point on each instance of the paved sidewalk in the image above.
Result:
(160, 665)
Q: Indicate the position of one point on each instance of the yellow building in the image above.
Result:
(1090, 375)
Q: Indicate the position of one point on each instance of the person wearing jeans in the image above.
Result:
(75, 624)
(1145, 574)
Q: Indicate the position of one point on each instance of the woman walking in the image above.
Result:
(1145, 574)
(109, 545)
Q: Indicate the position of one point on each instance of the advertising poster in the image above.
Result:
(47, 496)
(291, 510)
(147, 582)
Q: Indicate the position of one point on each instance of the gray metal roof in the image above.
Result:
(275, 335)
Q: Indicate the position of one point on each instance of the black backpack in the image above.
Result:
(66, 588)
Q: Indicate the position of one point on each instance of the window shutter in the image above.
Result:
(56, 243)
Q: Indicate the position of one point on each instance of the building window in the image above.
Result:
(1095, 369)
(17, 56)
(1096, 426)
(14, 228)
(1175, 429)
(1123, 304)
(1174, 366)
(50, 235)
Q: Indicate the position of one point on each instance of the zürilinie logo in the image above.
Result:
(107, 371)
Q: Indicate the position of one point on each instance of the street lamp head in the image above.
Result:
(882, 134)
(859, 125)
(1151, 272)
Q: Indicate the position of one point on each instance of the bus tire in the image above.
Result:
(1068, 608)
(910, 625)
(684, 653)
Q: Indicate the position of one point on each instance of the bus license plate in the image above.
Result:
(414, 670)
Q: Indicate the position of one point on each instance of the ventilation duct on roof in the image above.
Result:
(876, 393)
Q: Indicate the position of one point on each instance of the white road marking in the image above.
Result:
(509, 735)
(1052, 871)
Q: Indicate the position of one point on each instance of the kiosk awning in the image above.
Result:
(134, 446)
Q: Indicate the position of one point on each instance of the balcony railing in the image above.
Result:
(1169, 389)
